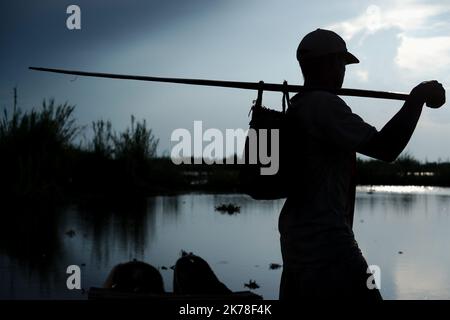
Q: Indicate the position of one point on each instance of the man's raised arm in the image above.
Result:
(389, 142)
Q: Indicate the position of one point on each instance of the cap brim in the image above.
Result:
(350, 58)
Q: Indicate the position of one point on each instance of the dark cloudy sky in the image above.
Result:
(399, 43)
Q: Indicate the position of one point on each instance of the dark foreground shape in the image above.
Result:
(193, 280)
(109, 294)
(135, 277)
(193, 275)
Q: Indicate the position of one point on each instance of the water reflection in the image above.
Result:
(30, 245)
(37, 245)
(406, 234)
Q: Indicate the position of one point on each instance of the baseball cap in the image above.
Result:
(322, 42)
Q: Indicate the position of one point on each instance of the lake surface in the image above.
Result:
(403, 230)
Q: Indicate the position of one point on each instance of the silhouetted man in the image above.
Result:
(320, 255)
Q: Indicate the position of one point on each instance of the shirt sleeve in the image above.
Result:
(337, 125)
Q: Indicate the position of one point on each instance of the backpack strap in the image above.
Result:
(286, 99)
(257, 104)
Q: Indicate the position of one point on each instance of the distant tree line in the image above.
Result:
(404, 171)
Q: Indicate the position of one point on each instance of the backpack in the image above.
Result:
(252, 182)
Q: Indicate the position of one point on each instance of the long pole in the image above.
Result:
(230, 84)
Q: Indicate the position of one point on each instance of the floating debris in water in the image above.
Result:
(83, 264)
(70, 233)
(274, 266)
(172, 267)
(251, 285)
(228, 208)
(163, 268)
(400, 252)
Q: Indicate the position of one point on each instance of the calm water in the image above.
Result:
(34, 254)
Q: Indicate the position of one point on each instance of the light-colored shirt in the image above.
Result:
(315, 223)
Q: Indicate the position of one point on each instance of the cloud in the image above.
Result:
(370, 21)
(404, 15)
(362, 75)
(423, 55)
(426, 54)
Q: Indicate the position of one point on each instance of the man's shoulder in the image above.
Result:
(320, 101)
(326, 97)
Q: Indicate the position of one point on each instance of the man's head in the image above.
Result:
(323, 55)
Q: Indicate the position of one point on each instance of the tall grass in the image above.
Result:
(102, 142)
(34, 146)
(137, 142)
(52, 126)
(124, 161)
(40, 161)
